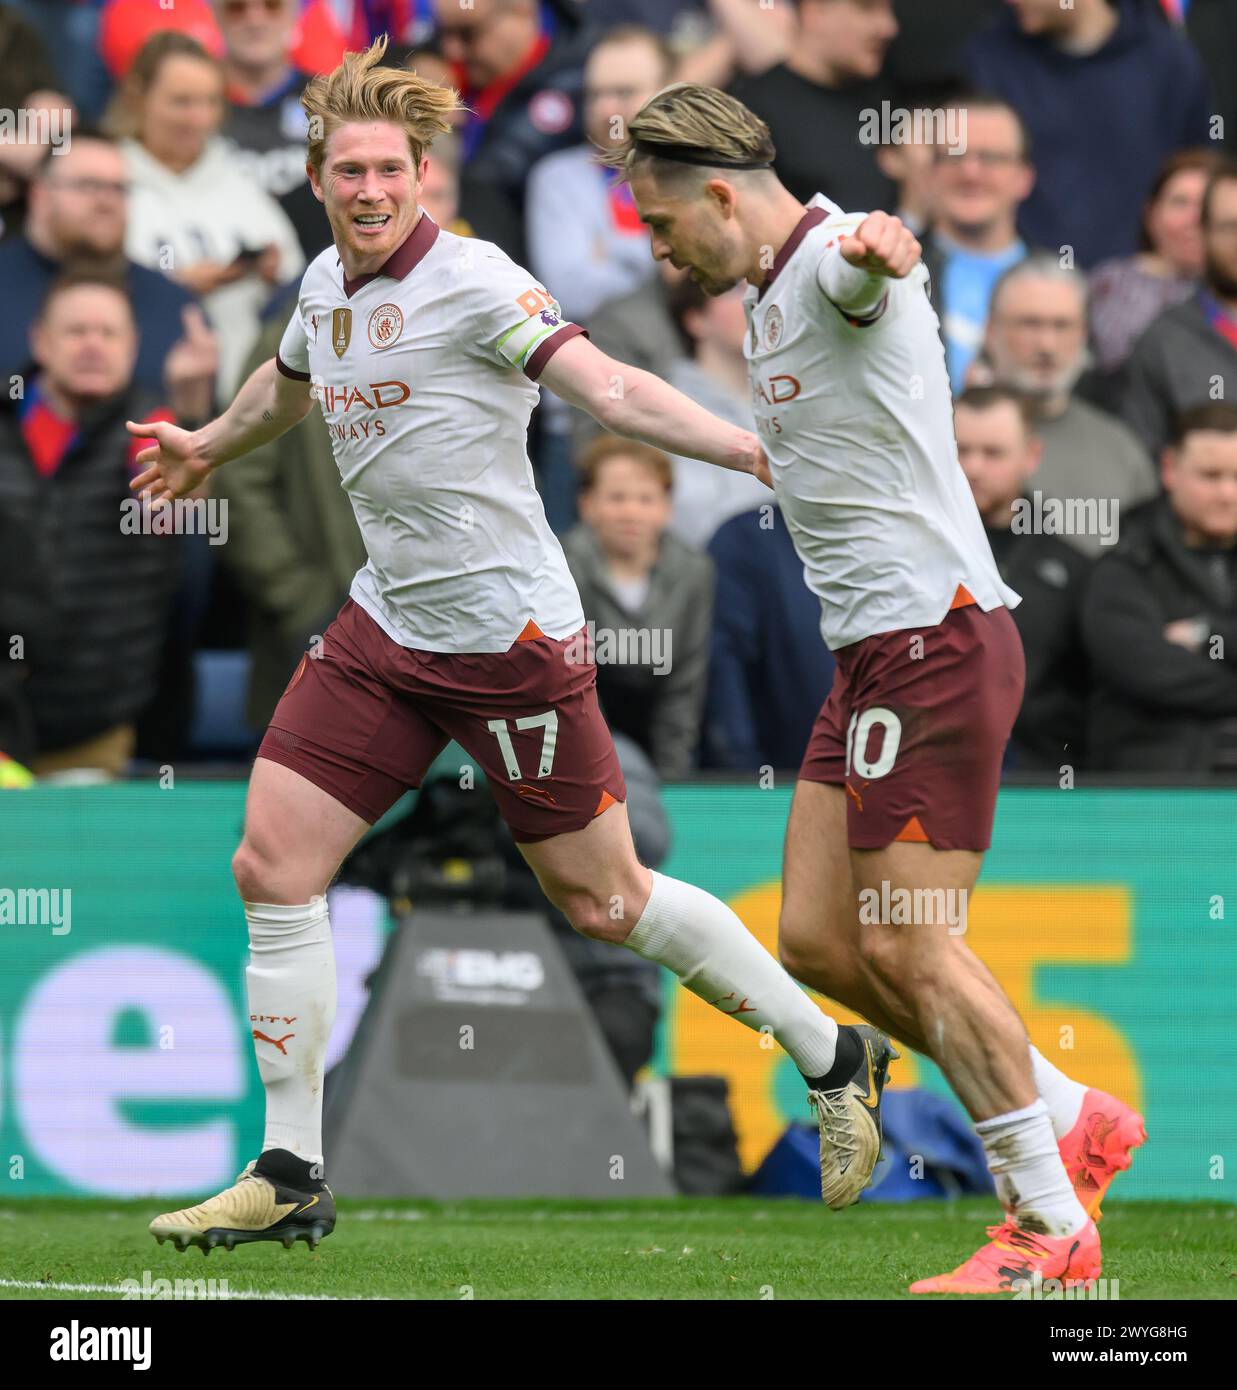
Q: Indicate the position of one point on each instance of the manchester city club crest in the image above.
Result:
(386, 323)
(773, 326)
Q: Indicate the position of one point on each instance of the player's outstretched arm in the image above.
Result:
(855, 273)
(266, 406)
(626, 400)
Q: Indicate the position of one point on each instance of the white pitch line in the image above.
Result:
(35, 1284)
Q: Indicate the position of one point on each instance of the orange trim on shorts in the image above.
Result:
(532, 632)
(913, 832)
(961, 598)
(605, 803)
(298, 673)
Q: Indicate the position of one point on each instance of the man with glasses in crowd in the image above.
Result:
(980, 176)
(77, 214)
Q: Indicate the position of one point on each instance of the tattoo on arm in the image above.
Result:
(267, 416)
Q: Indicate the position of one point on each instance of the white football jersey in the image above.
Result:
(856, 419)
(426, 374)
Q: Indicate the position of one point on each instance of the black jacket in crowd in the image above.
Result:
(1051, 576)
(17, 616)
(1171, 370)
(89, 601)
(1157, 706)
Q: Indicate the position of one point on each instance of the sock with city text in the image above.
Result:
(704, 943)
(291, 985)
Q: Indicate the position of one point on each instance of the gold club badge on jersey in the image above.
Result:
(386, 323)
(341, 330)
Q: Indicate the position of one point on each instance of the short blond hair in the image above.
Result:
(708, 123)
(360, 90)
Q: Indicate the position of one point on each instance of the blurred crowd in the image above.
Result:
(1065, 167)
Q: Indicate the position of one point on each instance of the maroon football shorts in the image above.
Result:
(364, 720)
(915, 729)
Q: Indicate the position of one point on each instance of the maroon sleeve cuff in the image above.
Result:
(284, 370)
(544, 351)
(871, 317)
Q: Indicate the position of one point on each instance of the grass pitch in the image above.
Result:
(740, 1248)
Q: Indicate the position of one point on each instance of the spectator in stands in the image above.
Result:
(70, 29)
(265, 126)
(193, 213)
(1188, 355)
(648, 599)
(769, 668)
(293, 542)
(1127, 294)
(715, 375)
(639, 329)
(78, 214)
(523, 84)
(440, 193)
(1160, 616)
(585, 237)
(127, 26)
(1212, 27)
(716, 40)
(66, 461)
(819, 102)
(46, 122)
(28, 82)
(977, 187)
(930, 46)
(325, 29)
(1108, 92)
(908, 165)
(1037, 344)
(999, 453)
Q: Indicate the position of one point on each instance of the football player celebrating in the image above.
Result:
(898, 787)
(423, 350)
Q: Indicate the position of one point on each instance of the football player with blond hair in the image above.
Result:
(423, 350)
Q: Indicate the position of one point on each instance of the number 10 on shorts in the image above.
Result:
(857, 732)
(547, 721)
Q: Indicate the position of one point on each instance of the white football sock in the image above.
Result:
(1062, 1096)
(698, 937)
(1030, 1178)
(291, 983)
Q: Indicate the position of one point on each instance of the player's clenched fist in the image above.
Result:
(882, 245)
(172, 467)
